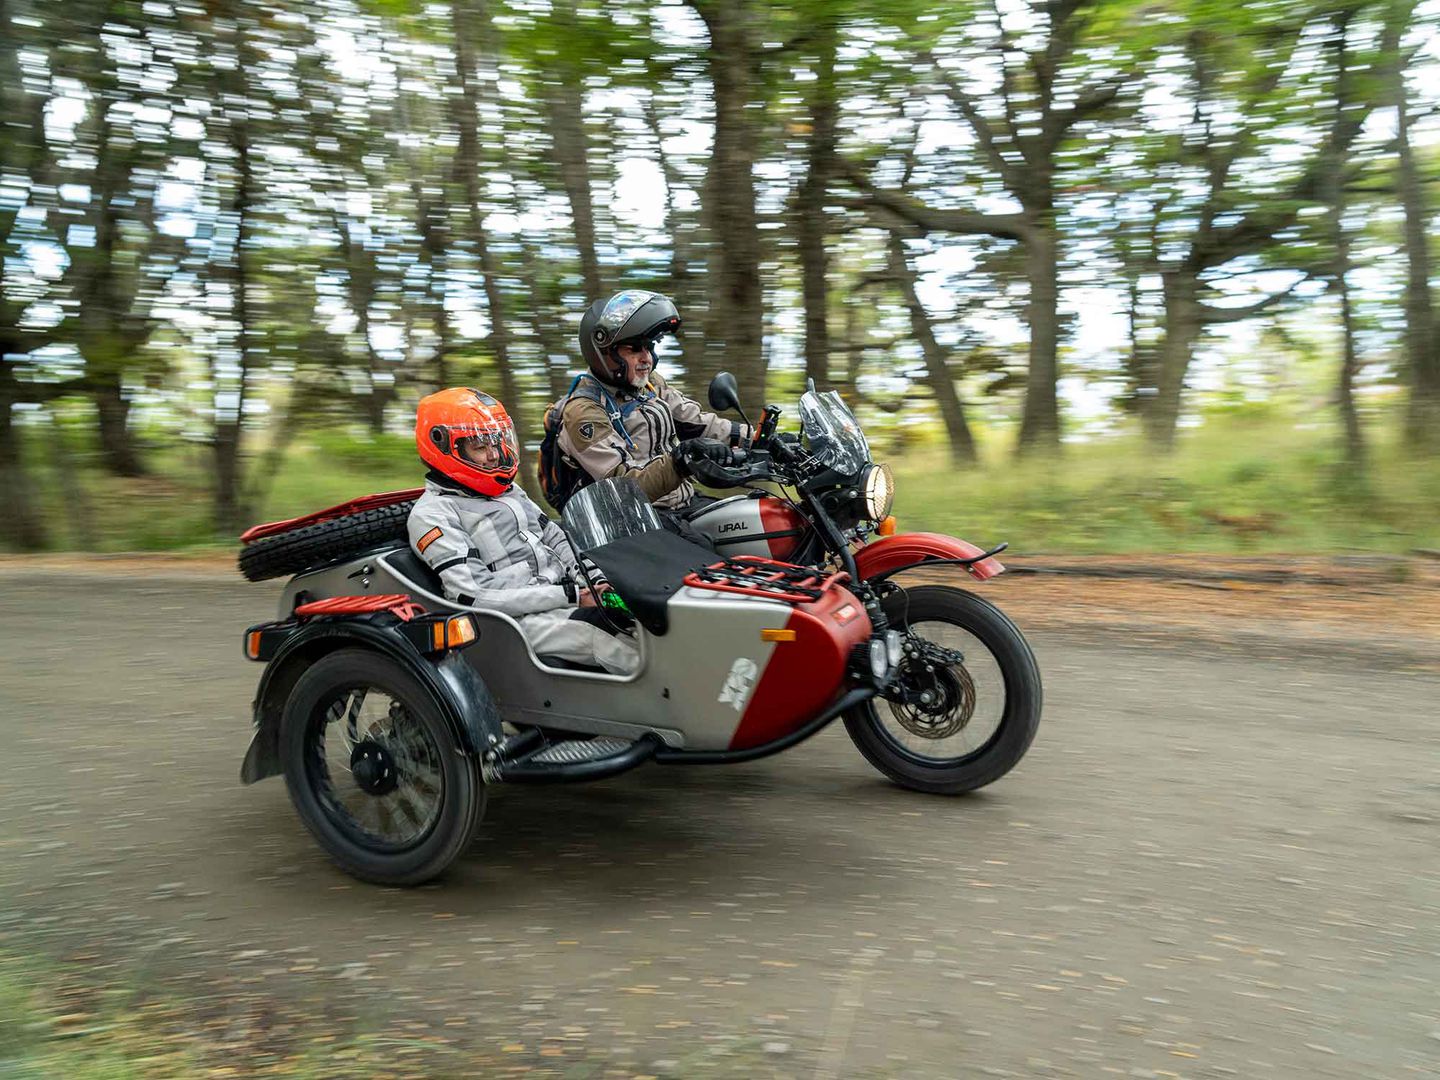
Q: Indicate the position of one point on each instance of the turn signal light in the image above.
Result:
(777, 635)
(252, 644)
(886, 526)
(453, 632)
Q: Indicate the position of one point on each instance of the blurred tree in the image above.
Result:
(735, 320)
(1046, 87)
(122, 59)
(1422, 346)
(1218, 202)
(822, 103)
(1337, 175)
(24, 86)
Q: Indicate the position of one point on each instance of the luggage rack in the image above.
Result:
(751, 575)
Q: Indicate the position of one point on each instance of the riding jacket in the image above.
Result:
(499, 553)
(654, 419)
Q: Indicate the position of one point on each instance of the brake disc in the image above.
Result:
(936, 693)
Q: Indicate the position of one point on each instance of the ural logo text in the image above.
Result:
(738, 683)
(732, 526)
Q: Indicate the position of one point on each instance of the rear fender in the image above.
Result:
(894, 553)
(454, 686)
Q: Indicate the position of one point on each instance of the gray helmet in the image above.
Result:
(627, 318)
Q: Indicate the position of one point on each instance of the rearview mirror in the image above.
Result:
(724, 394)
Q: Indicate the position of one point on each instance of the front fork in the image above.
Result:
(922, 657)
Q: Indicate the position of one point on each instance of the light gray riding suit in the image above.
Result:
(502, 554)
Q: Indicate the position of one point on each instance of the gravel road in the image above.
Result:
(1209, 865)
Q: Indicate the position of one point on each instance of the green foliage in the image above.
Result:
(1238, 484)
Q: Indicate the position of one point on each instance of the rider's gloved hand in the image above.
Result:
(693, 452)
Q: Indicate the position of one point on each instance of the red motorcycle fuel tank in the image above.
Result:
(764, 525)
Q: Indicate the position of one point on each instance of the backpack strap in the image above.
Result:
(598, 394)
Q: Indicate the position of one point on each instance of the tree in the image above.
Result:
(736, 318)
(1219, 204)
(1422, 347)
(1046, 91)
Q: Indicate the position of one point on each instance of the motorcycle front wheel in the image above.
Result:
(965, 704)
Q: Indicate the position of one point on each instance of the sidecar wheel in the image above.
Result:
(373, 771)
(948, 728)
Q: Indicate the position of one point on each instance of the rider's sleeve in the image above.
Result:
(693, 422)
(589, 438)
(437, 536)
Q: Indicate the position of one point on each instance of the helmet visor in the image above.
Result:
(489, 446)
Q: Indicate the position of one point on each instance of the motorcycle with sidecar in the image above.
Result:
(389, 709)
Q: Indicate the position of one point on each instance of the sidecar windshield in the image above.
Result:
(606, 511)
(833, 433)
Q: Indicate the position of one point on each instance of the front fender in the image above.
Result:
(892, 553)
(454, 687)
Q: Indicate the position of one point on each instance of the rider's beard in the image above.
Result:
(640, 378)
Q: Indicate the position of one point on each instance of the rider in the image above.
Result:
(492, 546)
(665, 432)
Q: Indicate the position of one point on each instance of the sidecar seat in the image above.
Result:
(413, 568)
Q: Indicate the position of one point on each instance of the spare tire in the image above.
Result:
(325, 542)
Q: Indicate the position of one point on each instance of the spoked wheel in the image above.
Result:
(373, 770)
(965, 704)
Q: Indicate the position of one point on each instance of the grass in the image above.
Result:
(68, 1019)
(1235, 485)
(1239, 483)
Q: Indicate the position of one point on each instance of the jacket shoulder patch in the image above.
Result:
(428, 539)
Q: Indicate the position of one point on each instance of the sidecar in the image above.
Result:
(389, 709)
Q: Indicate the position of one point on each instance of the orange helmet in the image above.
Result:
(468, 436)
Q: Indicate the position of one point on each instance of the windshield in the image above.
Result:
(833, 433)
(608, 510)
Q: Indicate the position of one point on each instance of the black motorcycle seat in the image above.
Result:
(646, 570)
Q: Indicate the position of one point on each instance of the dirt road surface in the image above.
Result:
(1211, 864)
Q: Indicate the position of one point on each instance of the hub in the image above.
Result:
(373, 768)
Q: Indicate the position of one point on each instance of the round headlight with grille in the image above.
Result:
(879, 492)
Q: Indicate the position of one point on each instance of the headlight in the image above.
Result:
(879, 492)
(894, 646)
(879, 659)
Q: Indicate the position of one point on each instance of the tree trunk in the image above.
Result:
(736, 321)
(937, 366)
(565, 103)
(686, 286)
(230, 508)
(106, 334)
(811, 225)
(1040, 423)
(1184, 323)
(471, 25)
(21, 525)
(117, 445)
(1336, 176)
(1422, 349)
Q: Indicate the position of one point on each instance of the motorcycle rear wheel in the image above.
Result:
(937, 745)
